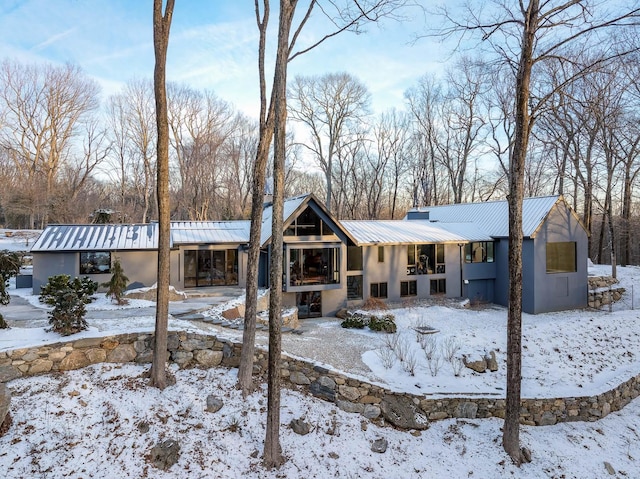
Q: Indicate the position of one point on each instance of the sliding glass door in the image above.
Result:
(210, 268)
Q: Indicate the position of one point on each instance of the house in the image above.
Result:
(454, 250)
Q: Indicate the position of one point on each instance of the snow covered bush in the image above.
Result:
(355, 320)
(10, 262)
(386, 323)
(68, 298)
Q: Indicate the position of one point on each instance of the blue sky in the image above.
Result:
(213, 46)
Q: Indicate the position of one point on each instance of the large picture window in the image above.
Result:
(561, 257)
(314, 266)
(479, 252)
(210, 268)
(95, 262)
(308, 224)
(425, 259)
(354, 258)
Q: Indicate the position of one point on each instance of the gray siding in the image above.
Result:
(52, 264)
(560, 291)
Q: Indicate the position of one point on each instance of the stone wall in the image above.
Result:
(406, 411)
(602, 291)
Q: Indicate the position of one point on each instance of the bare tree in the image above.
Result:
(161, 27)
(44, 108)
(328, 105)
(524, 34)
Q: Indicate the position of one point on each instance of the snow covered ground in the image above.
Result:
(93, 422)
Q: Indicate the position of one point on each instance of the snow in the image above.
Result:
(86, 423)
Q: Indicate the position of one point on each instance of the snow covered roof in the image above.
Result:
(415, 231)
(492, 217)
(209, 232)
(291, 205)
(97, 237)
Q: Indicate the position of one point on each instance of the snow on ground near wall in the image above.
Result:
(93, 423)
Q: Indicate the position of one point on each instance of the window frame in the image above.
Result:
(561, 259)
(86, 256)
(488, 254)
(359, 284)
(379, 287)
(408, 288)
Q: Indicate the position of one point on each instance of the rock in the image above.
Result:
(348, 406)
(371, 411)
(477, 366)
(324, 392)
(299, 426)
(609, 468)
(547, 419)
(467, 410)
(214, 403)
(526, 454)
(75, 360)
(342, 313)
(232, 313)
(492, 362)
(181, 358)
(299, 378)
(143, 427)
(379, 445)
(41, 366)
(208, 358)
(349, 392)
(123, 353)
(402, 412)
(9, 373)
(165, 454)
(5, 401)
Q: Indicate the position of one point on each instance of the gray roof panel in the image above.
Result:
(210, 232)
(410, 232)
(97, 237)
(492, 217)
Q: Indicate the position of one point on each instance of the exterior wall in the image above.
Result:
(501, 289)
(347, 393)
(560, 291)
(529, 273)
(139, 266)
(394, 270)
(51, 264)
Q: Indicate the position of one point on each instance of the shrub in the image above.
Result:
(372, 304)
(68, 298)
(386, 323)
(355, 320)
(10, 262)
(117, 284)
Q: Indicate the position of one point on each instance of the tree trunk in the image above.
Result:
(245, 370)
(272, 450)
(511, 431)
(161, 26)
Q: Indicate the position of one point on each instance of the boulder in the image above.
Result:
(9, 373)
(342, 313)
(214, 403)
(300, 426)
(492, 362)
(379, 445)
(402, 412)
(165, 454)
(75, 360)
(208, 358)
(5, 401)
(232, 313)
(467, 410)
(299, 378)
(479, 366)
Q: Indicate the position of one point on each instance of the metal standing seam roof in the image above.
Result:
(290, 206)
(492, 217)
(210, 232)
(414, 231)
(97, 237)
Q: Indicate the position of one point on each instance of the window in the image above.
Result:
(314, 266)
(408, 288)
(354, 258)
(380, 254)
(561, 257)
(308, 224)
(479, 252)
(354, 287)
(425, 259)
(210, 268)
(438, 286)
(378, 290)
(95, 262)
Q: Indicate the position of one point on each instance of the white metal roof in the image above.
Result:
(209, 232)
(97, 237)
(492, 217)
(414, 231)
(290, 207)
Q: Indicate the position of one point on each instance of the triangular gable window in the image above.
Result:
(308, 223)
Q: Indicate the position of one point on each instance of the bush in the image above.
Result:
(117, 285)
(10, 262)
(386, 323)
(68, 298)
(373, 304)
(355, 320)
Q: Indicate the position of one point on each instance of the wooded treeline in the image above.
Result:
(68, 155)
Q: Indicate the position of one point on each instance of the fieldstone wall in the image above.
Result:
(602, 291)
(406, 411)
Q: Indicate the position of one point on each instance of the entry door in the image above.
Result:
(309, 304)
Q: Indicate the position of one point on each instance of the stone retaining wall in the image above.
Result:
(349, 394)
(602, 291)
